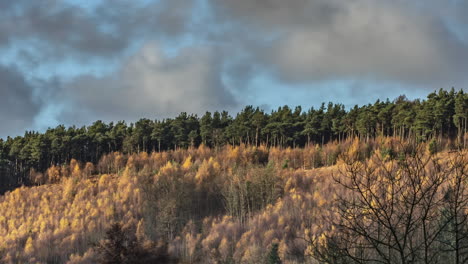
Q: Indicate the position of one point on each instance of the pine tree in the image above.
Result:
(206, 128)
(273, 255)
(461, 115)
(121, 246)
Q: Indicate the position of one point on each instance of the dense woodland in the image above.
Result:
(381, 183)
(385, 200)
(443, 114)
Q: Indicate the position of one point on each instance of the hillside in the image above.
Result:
(234, 204)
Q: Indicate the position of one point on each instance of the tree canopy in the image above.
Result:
(443, 114)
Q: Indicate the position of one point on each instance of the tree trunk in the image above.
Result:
(256, 137)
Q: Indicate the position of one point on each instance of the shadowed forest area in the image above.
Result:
(381, 183)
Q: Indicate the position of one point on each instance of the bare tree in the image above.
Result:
(454, 239)
(389, 211)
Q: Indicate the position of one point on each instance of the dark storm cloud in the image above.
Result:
(60, 30)
(17, 105)
(283, 14)
(227, 45)
(56, 28)
(150, 84)
(298, 40)
(313, 41)
(53, 31)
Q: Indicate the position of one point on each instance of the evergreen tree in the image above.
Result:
(273, 256)
(460, 116)
(206, 129)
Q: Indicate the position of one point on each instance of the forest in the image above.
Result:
(380, 183)
(443, 114)
(378, 201)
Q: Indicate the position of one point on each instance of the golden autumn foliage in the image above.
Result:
(204, 205)
(57, 220)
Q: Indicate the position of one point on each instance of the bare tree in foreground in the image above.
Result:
(411, 210)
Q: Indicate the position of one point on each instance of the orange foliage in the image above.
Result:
(58, 221)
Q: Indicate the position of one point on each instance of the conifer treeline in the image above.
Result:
(443, 114)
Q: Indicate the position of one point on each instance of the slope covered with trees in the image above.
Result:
(443, 115)
(384, 200)
(381, 183)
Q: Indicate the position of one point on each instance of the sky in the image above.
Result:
(73, 61)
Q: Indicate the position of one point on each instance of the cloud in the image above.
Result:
(315, 41)
(210, 54)
(273, 13)
(17, 104)
(62, 30)
(150, 84)
(57, 29)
